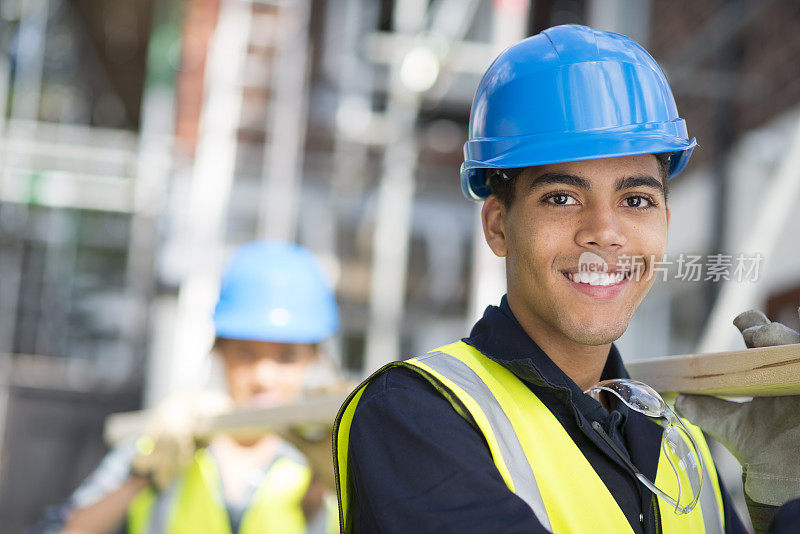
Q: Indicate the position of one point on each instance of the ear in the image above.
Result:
(493, 216)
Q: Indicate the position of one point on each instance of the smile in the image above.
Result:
(597, 285)
(596, 278)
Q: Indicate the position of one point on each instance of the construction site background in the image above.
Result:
(142, 140)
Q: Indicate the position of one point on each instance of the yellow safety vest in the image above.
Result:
(536, 457)
(193, 503)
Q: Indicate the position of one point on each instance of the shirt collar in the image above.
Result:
(499, 336)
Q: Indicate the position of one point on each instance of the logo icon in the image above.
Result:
(589, 262)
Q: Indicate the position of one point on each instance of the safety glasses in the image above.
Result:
(677, 442)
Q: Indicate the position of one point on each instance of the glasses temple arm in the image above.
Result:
(599, 430)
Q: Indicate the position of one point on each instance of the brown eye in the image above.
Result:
(245, 356)
(638, 201)
(559, 199)
(288, 356)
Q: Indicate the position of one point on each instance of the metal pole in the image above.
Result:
(283, 148)
(354, 114)
(724, 126)
(628, 17)
(25, 105)
(488, 271)
(5, 78)
(25, 100)
(207, 203)
(153, 166)
(736, 296)
(30, 59)
(390, 240)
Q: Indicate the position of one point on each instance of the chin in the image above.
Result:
(596, 339)
(262, 401)
(594, 334)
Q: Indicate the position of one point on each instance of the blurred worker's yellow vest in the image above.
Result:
(532, 451)
(194, 504)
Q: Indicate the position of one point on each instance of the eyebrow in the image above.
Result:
(638, 181)
(582, 183)
(559, 178)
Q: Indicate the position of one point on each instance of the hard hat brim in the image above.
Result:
(544, 149)
(258, 327)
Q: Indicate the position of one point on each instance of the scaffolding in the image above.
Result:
(340, 129)
(78, 208)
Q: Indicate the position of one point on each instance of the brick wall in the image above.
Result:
(200, 19)
(765, 69)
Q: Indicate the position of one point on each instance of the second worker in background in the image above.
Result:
(274, 309)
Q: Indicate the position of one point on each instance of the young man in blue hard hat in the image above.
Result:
(274, 309)
(531, 424)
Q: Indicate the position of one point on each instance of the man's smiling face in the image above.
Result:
(561, 214)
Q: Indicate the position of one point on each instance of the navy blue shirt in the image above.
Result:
(417, 466)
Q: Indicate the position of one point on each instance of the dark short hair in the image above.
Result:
(502, 183)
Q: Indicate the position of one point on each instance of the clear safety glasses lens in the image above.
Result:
(682, 490)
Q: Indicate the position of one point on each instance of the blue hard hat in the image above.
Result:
(570, 93)
(275, 291)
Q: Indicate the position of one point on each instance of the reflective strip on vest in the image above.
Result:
(157, 522)
(710, 495)
(710, 501)
(523, 481)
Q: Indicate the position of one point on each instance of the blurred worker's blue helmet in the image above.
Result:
(275, 291)
(570, 93)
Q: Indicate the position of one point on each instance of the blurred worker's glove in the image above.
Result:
(314, 440)
(764, 433)
(173, 432)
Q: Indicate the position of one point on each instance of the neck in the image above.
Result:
(582, 363)
(254, 444)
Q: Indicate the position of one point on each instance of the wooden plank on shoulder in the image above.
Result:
(763, 371)
(317, 409)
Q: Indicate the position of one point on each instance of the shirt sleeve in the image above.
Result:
(110, 475)
(771, 519)
(786, 519)
(418, 466)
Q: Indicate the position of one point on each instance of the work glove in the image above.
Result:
(173, 433)
(314, 439)
(763, 434)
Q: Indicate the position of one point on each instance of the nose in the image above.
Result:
(266, 374)
(601, 227)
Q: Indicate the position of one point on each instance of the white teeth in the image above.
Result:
(584, 277)
(595, 278)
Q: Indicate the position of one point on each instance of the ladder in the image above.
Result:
(245, 177)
